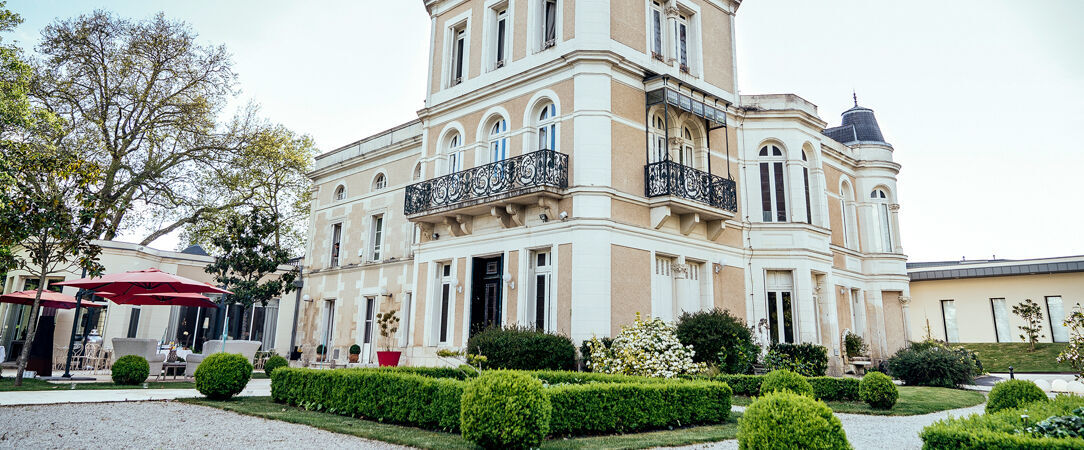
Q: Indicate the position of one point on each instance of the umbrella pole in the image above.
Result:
(75, 324)
(225, 325)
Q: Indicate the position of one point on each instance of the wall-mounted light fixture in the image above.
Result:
(384, 292)
(436, 236)
(563, 215)
(307, 298)
(544, 218)
(455, 284)
(508, 280)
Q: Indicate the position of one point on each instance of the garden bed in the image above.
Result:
(824, 388)
(998, 357)
(583, 403)
(1003, 429)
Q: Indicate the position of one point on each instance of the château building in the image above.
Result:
(579, 162)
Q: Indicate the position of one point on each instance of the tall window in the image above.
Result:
(500, 43)
(380, 182)
(340, 193)
(1055, 310)
(417, 174)
(685, 151)
(656, 31)
(328, 325)
(377, 237)
(662, 286)
(498, 140)
(782, 321)
(133, 322)
(1001, 319)
(455, 153)
(805, 186)
(549, 23)
(773, 193)
(547, 127)
(846, 211)
(658, 139)
(540, 289)
(336, 236)
(446, 280)
(948, 314)
(367, 336)
(459, 47)
(681, 42)
(884, 220)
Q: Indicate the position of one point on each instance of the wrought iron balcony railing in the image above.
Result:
(672, 178)
(507, 178)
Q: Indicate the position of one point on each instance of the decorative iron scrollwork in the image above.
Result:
(672, 178)
(542, 168)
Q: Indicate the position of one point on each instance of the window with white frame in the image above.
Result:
(336, 238)
(662, 288)
(686, 149)
(773, 193)
(416, 175)
(454, 152)
(380, 182)
(458, 54)
(498, 140)
(340, 193)
(541, 290)
(445, 297)
(1000, 310)
(848, 216)
(376, 237)
(657, 136)
(657, 19)
(547, 127)
(805, 189)
(1055, 311)
(499, 40)
(884, 220)
(681, 42)
(549, 24)
(782, 319)
(948, 315)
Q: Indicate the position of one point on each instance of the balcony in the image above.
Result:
(536, 177)
(690, 194)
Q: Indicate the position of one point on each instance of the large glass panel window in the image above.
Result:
(948, 314)
(541, 290)
(782, 320)
(773, 196)
(1001, 319)
(446, 293)
(1056, 311)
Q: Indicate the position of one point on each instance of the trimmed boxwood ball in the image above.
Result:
(272, 363)
(785, 380)
(785, 420)
(1013, 394)
(223, 375)
(502, 409)
(878, 391)
(131, 369)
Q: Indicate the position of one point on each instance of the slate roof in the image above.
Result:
(195, 250)
(947, 270)
(859, 126)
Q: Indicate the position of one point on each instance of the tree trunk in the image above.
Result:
(24, 355)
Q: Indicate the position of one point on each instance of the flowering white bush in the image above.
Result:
(645, 348)
(1074, 352)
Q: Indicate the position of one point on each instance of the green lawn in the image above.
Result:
(913, 400)
(998, 357)
(416, 437)
(8, 384)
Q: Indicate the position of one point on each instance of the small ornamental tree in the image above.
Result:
(249, 260)
(389, 324)
(1032, 314)
(1073, 354)
(644, 348)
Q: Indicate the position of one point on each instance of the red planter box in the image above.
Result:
(388, 359)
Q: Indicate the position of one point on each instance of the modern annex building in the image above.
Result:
(579, 162)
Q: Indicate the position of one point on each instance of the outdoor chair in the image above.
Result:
(247, 349)
(147, 348)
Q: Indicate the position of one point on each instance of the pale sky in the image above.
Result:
(982, 100)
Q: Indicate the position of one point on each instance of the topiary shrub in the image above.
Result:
(223, 375)
(646, 348)
(505, 410)
(523, 348)
(785, 380)
(272, 363)
(878, 391)
(131, 369)
(355, 349)
(1013, 394)
(933, 364)
(807, 359)
(718, 338)
(787, 420)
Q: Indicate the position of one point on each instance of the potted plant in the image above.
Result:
(355, 350)
(389, 324)
(320, 350)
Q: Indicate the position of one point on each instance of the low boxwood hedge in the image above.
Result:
(583, 403)
(1003, 429)
(824, 388)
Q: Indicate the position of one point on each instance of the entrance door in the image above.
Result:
(782, 322)
(367, 336)
(485, 305)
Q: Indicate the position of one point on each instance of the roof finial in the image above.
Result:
(855, 94)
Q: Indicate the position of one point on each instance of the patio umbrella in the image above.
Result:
(172, 299)
(49, 299)
(149, 281)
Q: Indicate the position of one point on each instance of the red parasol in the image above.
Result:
(149, 281)
(49, 299)
(173, 299)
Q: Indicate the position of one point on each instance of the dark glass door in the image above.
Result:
(486, 293)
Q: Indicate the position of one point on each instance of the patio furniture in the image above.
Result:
(247, 349)
(147, 348)
(174, 368)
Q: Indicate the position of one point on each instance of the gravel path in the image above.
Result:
(875, 432)
(158, 425)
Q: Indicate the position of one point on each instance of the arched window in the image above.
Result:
(773, 192)
(658, 139)
(498, 140)
(685, 152)
(547, 127)
(884, 220)
(454, 150)
(417, 174)
(380, 182)
(340, 193)
(846, 208)
(805, 186)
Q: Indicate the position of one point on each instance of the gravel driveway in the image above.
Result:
(157, 425)
(875, 432)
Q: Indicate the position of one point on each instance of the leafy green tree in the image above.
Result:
(1032, 314)
(248, 261)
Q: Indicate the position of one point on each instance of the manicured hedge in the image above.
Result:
(597, 408)
(999, 430)
(824, 388)
(523, 348)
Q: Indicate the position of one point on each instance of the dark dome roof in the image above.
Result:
(859, 126)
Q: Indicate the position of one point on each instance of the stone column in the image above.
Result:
(894, 220)
(905, 302)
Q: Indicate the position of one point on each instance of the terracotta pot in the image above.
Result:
(388, 359)
(353, 358)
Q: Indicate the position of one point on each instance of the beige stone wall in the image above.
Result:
(630, 213)
(893, 321)
(628, 158)
(843, 309)
(835, 214)
(729, 285)
(569, 20)
(511, 298)
(974, 316)
(630, 286)
(718, 50)
(564, 289)
(628, 23)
